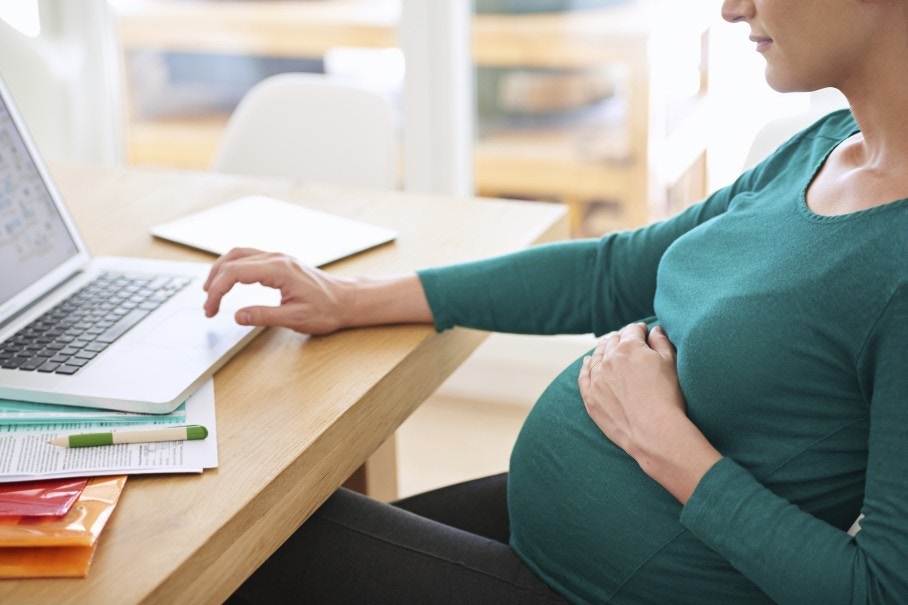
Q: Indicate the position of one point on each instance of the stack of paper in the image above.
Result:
(25, 453)
(51, 528)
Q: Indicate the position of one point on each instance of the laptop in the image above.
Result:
(116, 333)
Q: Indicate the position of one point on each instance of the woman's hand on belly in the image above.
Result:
(630, 389)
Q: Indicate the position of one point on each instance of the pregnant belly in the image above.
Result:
(588, 521)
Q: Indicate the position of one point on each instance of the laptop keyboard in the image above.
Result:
(71, 334)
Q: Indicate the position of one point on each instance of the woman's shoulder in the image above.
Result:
(805, 150)
(822, 135)
(838, 125)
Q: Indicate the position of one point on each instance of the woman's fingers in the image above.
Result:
(660, 343)
(244, 266)
(232, 255)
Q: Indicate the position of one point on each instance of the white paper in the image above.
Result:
(25, 453)
(312, 236)
(26, 412)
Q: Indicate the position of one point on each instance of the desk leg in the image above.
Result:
(378, 476)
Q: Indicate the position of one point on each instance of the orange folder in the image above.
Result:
(33, 547)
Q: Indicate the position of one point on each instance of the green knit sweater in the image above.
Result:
(792, 337)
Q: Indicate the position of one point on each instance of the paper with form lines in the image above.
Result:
(25, 453)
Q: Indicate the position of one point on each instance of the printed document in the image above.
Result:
(25, 453)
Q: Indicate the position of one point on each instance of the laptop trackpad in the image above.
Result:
(184, 328)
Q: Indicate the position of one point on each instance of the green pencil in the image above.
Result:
(167, 433)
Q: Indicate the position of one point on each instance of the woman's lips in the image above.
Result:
(762, 42)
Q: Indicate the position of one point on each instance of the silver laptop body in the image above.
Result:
(157, 363)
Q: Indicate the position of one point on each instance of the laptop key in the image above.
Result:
(122, 326)
(73, 332)
(33, 364)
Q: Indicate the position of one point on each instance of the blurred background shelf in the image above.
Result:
(188, 142)
(278, 28)
(579, 107)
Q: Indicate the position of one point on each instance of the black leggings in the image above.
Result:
(445, 546)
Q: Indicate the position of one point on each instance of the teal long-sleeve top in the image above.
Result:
(792, 336)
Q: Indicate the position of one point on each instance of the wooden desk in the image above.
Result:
(326, 402)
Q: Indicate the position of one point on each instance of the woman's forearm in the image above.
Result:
(386, 300)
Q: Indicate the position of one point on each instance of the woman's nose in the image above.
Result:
(735, 11)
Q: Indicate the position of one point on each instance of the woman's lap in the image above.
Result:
(357, 550)
(479, 506)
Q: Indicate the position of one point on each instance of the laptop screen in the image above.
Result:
(34, 238)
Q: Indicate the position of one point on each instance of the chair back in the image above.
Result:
(779, 130)
(312, 127)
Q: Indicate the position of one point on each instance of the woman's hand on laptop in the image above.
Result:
(314, 301)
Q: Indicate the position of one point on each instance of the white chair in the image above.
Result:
(778, 131)
(312, 127)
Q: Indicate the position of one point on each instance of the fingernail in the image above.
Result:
(243, 317)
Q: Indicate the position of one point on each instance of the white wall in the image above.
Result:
(438, 96)
(65, 80)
